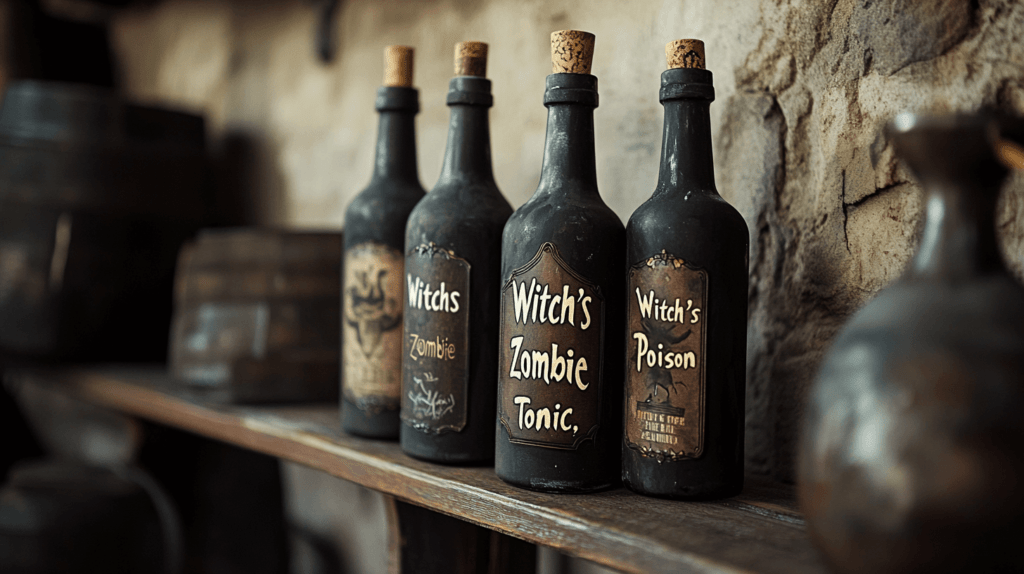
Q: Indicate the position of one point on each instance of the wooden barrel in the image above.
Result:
(96, 198)
(257, 315)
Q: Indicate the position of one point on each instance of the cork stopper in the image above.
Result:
(471, 59)
(685, 54)
(398, 66)
(572, 52)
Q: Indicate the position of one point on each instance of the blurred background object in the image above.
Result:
(96, 198)
(257, 315)
(230, 502)
(59, 516)
(97, 193)
(911, 453)
(217, 508)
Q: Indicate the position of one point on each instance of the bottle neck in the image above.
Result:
(686, 160)
(396, 147)
(569, 149)
(952, 158)
(468, 153)
(959, 238)
(569, 165)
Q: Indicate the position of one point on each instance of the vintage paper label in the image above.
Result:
(665, 358)
(373, 291)
(552, 330)
(435, 371)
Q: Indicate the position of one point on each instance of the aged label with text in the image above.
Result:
(665, 386)
(372, 326)
(552, 329)
(435, 360)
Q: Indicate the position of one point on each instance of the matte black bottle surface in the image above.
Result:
(560, 367)
(453, 278)
(373, 288)
(687, 309)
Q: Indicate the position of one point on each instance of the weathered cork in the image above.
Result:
(471, 59)
(572, 52)
(685, 54)
(398, 66)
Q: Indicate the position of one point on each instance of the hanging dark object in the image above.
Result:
(325, 36)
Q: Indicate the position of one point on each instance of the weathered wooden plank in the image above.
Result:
(758, 531)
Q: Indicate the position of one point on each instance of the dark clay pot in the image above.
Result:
(911, 454)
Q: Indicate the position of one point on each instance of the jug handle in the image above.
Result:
(1009, 141)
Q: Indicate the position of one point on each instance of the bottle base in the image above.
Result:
(381, 425)
(450, 448)
(694, 494)
(558, 486)
(446, 460)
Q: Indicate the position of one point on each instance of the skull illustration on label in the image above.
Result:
(372, 328)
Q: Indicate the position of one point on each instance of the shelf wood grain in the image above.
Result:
(758, 531)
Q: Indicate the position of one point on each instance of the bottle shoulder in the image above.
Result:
(384, 198)
(566, 212)
(680, 202)
(699, 208)
(465, 218)
(981, 324)
(467, 196)
(589, 236)
(909, 305)
(695, 225)
(379, 213)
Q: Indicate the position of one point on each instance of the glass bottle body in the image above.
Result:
(453, 253)
(686, 318)
(559, 399)
(373, 282)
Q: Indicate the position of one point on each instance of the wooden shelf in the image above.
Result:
(758, 531)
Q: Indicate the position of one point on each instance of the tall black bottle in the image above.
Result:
(373, 282)
(452, 258)
(560, 362)
(687, 308)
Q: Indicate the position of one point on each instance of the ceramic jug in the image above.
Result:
(912, 452)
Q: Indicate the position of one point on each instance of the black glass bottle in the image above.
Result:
(373, 281)
(687, 308)
(560, 365)
(452, 258)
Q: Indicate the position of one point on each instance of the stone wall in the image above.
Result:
(803, 88)
(833, 216)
